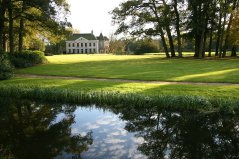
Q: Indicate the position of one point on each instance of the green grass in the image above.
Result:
(145, 67)
(225, 92)
(176, 97)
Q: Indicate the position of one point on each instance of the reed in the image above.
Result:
(115, 98)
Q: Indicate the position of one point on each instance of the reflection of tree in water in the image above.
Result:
(184, 134)
(27, 129)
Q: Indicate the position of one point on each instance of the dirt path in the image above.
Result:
(124, 80)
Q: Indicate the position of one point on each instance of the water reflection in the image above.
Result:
(169, 134)
(27, 130)
(36, 130)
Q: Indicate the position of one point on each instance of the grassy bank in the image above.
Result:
(145, 67)
(225, 92)
(113, 93)
(169, 102)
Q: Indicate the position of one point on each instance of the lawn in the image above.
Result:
(225, 92)
(143, 67)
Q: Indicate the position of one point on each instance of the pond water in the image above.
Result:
(31, 129)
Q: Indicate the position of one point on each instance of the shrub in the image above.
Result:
(6, 69)
(28, 58)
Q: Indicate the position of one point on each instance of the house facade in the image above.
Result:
(86, 44)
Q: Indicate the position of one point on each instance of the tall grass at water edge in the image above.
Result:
(170, 102)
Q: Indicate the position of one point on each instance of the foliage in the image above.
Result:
(203, 22)
(6, 69)
(56, 48)
(33, 21)
(140, 47)
(27, 58)
(117, 47)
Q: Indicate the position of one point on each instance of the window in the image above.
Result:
(69, 45)
(69, 50)
(82, 51)
(78, 51)
(94, 50)
(90, 51)
(78, 44)
(81, 44)
(86, 51)
(89, 44)
(93, 44)
(73, 51)
(85, 44)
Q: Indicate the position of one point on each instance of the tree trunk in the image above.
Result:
(21, 29)
(197, 44)
(2, 19)
(210, 42)
(170, 38)
(222, 35)
(167, 19)
(204, 44)
(164, 43)
(225, 47)
(201, 45)
(5, 46)
(234, 51)
(154, 9)
(205, 35)
(219, 32)
(180, 54)
(11, 34)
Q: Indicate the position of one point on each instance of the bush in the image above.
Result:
(28, 59)
(6, 69)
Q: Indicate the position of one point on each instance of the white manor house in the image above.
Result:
(86, 44)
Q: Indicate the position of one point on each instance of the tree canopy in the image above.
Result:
(22, 21)
(202, 21)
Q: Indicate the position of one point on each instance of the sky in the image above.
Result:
(88, 15)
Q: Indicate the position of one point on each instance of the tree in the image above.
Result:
(207, 23)
(3, 6)
(226, 42)
(142, 13)
(177, 26)
(234, 33)
(33, 19)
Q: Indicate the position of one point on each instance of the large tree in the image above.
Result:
(206, 23)
(146, 17)
(33, 19)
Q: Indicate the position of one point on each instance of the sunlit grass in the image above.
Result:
(143, 67)
(226, 92)
(186, 97)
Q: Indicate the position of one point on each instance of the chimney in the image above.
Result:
(92, 32)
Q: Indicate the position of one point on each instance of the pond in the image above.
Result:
(40, 130)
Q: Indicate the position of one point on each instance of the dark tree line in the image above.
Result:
(30, 18)
(202, 21)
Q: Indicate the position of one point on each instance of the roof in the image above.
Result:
(102, 38)
(87, 36)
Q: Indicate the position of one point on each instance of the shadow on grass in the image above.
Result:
(152, 68)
